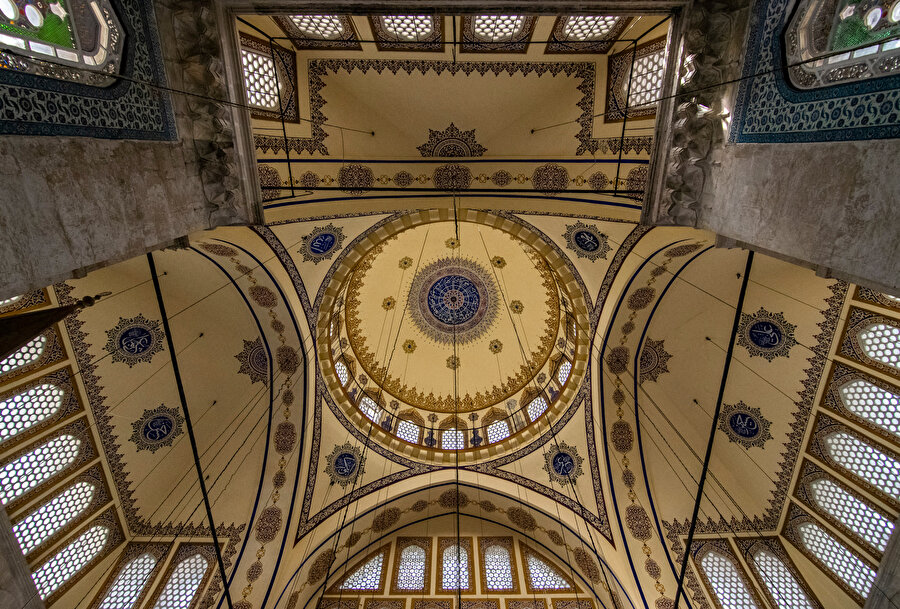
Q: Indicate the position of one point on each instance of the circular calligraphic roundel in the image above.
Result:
(157, 428)
(345, 464)
(765, 335)
(135, 340)
(587, 241)
(563, 463)
(322, 243)
(744, 424)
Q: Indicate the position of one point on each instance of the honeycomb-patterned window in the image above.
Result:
(9, 301)
(342, 372)
(129, 584)
(585, 28)
(27, 409)
(498, 430)
(888, 296)
(834, 555)
(868, 463)
(411, 570)
(369, 408)
(498, 568)
(498, 28)
(536, 407)
(542, 576)
(70, 560)
(453, 439)
(780, 582)
(881, 342)
(367, 577)
(45, 521)
(855, 514)
(409, 431)
(31, 469)
(726, 582)
(455, 568)
(28, 354)
(320, 27)
(646, 79)
(408, 28)
(182, 586)
(565, 369)
(260, 80)
(878, 406)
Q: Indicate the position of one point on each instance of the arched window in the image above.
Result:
(498, 430)
(342, 372)
(182, 586)
(542, 576)
(27, 409)
(497, 568)
(878, 406)
(70, 560)
(28, 354)
(834, 555)
(369, 407)
(565, 369)
(497, 28)
(586, 28)
(726, 581)
(870, 464)
(33, 468)
(455, 568)
(780, 582)
(852, 512)
(320, 27)
(537, 407)
(48, 519)
(129, 583)
(408, 28)
(367, 576)
(881, 342)
(411, 570)
(453, 439)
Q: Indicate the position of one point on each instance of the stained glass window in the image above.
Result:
(850, 511)
(536, 407)
(780, 582)
(411, 570)
(42, 523)
(408, 28)
(542, 576)
(453, 439)
(565, 369)
(369, 408)
(585, 28)
(407, 430)
(498, 430)
(71, 559)
(342, 372)
(129, 583)
(183, 583)
(28, 408)
(865, 461)
(726, 582)
(497, 28)
(837, 558)
(878, 406)
(27, 354)
(646, 79)
(455, 572)
(321, 27)
(31, 469)
(498, 568)
(881, 342)
(260, 79)
(367, 577)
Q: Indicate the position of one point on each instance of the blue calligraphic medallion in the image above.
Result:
(587, 241)
(322, 243)
(765, 335)
(453, 299)
(563, 464)
(744, 425)
(135, 340)
(345, 464)
(157, 428)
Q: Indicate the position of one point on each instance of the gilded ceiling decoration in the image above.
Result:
(345, 464)
(654, 360)
(134, 340)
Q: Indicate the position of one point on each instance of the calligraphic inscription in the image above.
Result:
(135, 340)
(587, 241)
(765, 335)
(322, 243)
(563, 463)
(744, 425)
(156, 428)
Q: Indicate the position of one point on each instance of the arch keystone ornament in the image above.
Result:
(744, 425)
(345, 464)
(157, 428)
(766, 334)
(134, 340)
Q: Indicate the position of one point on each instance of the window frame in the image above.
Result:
(384, 41)
(721, 546)
(524, 551)
(517, 44)
(857, 320)
(504, 542)
(558, 44)
(336, 586)
(466, 544)
(348, 41)
(54, 351)
(185, 551)
(840, 375)
(70, 405)
(401, 544)
(133, 550)
(285, 61)
(617, 73)
(747, 547)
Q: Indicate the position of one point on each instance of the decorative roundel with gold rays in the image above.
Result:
(445, 337)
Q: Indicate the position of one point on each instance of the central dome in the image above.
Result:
(452, 327)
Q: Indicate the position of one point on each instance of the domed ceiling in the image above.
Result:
(453, 326)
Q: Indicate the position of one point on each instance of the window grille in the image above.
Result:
(881, 342)
(342, 372)
(455, 573)
(409, 431)
(129, 583)
(453, 439)
(853, 513)
(498, 568)
(498, 430)
(369, 408)
(726, 582)
(870, 464)
(70, 560)
(542, 576)
(367, 577)
(565, 369)
(260, 80)
(498, 28)
(33, 468)
(536, 407)
(183, 583)
(646, 79)
(9, 301)
(780, 582)
(834, 555)
(411, 570)
(27, 354)
(320, 27)
(25, 410)
(586, 28)
(878, 406)
(408, 28)
(48, 519)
